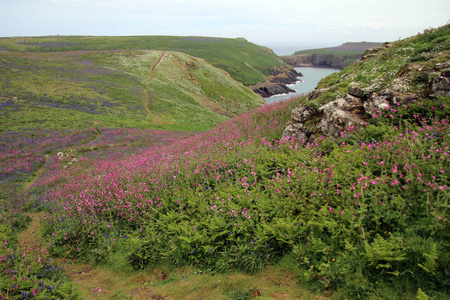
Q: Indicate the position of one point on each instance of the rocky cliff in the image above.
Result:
(334, 57)
(321, 60)
(387, 76)
(277, 83)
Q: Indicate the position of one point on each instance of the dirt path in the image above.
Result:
(156, 119)
(157, 63)
(30, 238)
(100, 283)
(93, 282)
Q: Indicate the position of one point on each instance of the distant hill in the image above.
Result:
(344, 49)
(335, 57)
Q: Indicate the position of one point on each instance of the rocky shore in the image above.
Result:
(277, 83)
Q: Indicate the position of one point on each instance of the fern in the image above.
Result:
(430, 264)
(421, 295)
(381, 251)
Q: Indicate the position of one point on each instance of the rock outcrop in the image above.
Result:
(277, 83)
(349, 112)
(440, 85)
(421, 75)
(269, 89)
(329, 119)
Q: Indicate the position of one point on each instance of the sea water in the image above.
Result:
(308, 82)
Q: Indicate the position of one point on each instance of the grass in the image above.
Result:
(277, 282)
(79, 90)
(246, 62)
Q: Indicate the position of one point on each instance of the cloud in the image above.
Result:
(260, 21)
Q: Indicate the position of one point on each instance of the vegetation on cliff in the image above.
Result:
(415, 66)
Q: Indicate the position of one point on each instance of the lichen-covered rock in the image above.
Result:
(297, 128)
(302, 114)
(441, 86)
(298, 131)
(338, 104)
(355, 90)
(337, 116)
(383, 100)
(339, 120)
(355, 102)
(343, 113)
(376, 104)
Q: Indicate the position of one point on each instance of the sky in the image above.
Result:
(282, 25)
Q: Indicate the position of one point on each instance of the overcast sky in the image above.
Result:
(283, 25)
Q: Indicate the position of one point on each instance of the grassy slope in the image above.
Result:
(200, 87)
(344, 49)
(108, 88)
(246, 62)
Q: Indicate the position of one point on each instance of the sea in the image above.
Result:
(306, 83)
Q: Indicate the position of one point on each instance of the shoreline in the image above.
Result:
(309, 80)
(313, 66)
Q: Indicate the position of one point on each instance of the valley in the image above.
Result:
(143, 168)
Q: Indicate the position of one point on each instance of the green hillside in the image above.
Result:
(140, 89)
(246, 62)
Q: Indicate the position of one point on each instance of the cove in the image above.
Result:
(308, 82)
